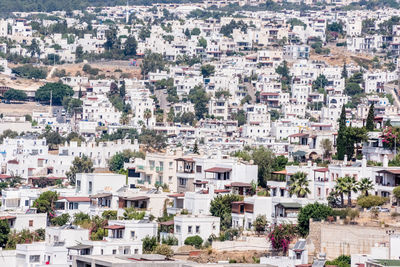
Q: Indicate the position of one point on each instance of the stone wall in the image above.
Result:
(335, 239)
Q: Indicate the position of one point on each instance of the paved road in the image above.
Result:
(389, 88)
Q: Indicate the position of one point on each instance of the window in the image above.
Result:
(178, 228)
(30, 223)
(182, 181)
(136, 251)
(132, 234)
(90, 187)
(114, 251)
(197, 229)
(34, 258)
(26, 203)
(78, 185)
(189, 229)
(101, 251)
(198, 168)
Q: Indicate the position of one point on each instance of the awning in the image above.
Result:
(114, 227)
(137, 198)
(79, 247)
(7, 217)
(218, 170)
(185, 159)
(392, 171)
(239, 184)
(100, 195)
(290, 205)
(167, 223)
(321, 170)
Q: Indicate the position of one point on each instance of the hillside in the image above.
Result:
(67, 5)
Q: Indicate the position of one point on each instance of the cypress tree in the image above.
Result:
(196, 148)
(344, 71)
(370, 118)
(341, 138)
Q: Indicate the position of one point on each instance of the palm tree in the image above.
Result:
(124, 120)
(147, 116)
(351, 185)
(365, 185)
(340, 189)
(299, 185)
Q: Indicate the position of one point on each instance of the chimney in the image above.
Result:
(364, 162)
(345, 160)
(211, 189)
(309, 163)
(385, 161)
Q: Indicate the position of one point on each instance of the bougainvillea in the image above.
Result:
(390, 135)
(281, 236)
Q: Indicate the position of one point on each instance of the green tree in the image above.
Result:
(202, 42)
(199, 98)
(260, 224)
(152, 62)
(264, 158)
(117, 161)
(320, 82)
(352, 89)
(196, 147)
(240, 116)
(370, 119)
(341, 141)
(152, 140)
(195, 241)
(17, 95)
(130, 46)
(314, 211)
(45, 203)
(149, 244)
(59, 91)
(79, 53)
(29, 72)
(396, 194)
(79, 165)
(4, 232)
(365, 185)
(299, 185)
(221, 207)
(195, 31)
(207, 70)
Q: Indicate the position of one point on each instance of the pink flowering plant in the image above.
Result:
(390, 136)
(281, 236)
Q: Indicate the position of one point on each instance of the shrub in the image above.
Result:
(60, 220)
(149, 244)
(170, 240)
(164, 250)
(341, 261)
(195, 241)
(371, 201)
(109, 214)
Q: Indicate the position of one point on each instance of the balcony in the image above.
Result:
(173, 211)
